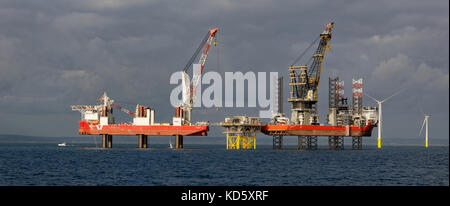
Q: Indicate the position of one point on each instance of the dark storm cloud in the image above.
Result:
(57, 53)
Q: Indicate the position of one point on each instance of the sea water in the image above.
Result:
(23, 164)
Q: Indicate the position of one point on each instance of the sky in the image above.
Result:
(54, 54)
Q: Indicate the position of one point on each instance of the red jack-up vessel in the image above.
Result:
(99, 120)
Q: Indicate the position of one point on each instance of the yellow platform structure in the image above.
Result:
(241, 132)
(241, 141)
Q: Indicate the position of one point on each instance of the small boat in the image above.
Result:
(62, 144)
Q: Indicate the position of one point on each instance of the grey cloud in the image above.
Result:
(78, 21)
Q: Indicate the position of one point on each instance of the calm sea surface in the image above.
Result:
(48, 164)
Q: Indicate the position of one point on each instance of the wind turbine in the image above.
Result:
(379, 114)
(425, 122)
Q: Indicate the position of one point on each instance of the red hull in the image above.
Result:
(151, 130)
(316, 130)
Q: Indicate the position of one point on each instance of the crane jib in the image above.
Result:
(204, 46)
(206, 40)
(305, 79)
(197, 51)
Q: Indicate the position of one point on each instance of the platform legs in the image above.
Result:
(278, 142)
(145, 145)
(104, 140)
(142, 141)
(109, 145)
(302, 143)
(307, 143)
(178, 142)
(335, 143)
(357, 143)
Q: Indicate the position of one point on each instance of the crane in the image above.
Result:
(304, 81)
(110, 102)
(189, 88)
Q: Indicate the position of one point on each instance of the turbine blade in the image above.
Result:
(371, 97)
(391, 96)
(422, 127)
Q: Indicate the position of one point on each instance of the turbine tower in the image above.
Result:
(379, 115)
(425, 122)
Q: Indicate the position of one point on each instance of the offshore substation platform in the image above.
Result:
(343, 120)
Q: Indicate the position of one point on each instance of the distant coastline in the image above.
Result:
(209, 140)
